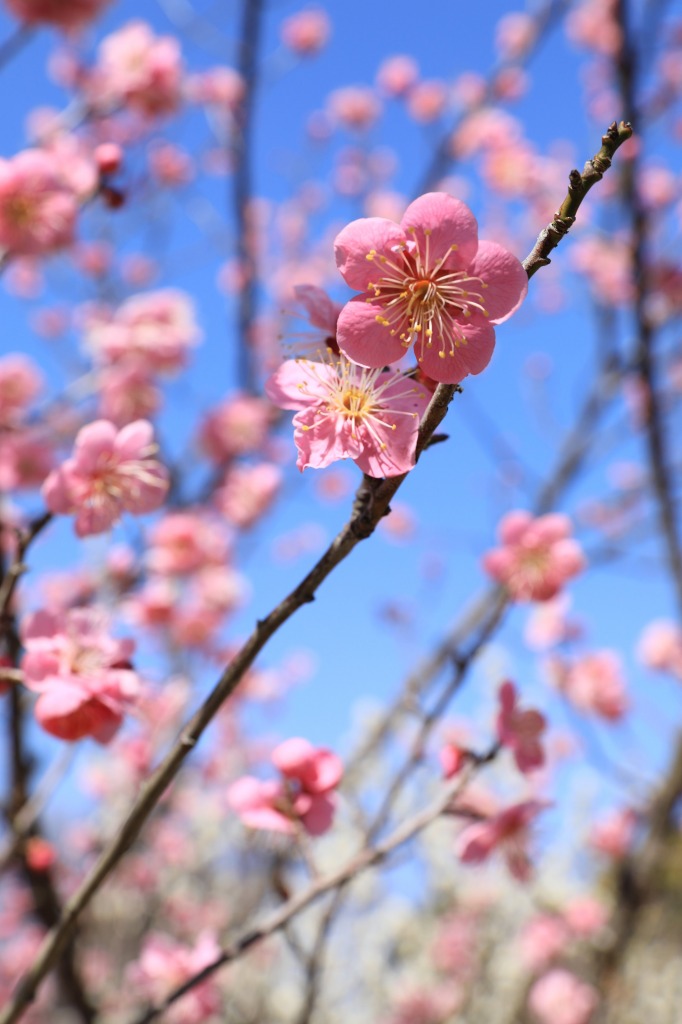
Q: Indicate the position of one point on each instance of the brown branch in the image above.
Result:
(578, 187)
(242, 193)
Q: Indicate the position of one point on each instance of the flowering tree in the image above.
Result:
(225, 797)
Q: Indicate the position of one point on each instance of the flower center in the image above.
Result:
(355, 402)
(424, 302)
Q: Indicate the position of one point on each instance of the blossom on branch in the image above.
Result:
(349, 412)
(110, 472)
(37, 212)
(83, 674)
(427, 281)
(520, 731)
(303, 795)
(537, 555)
(507, 831)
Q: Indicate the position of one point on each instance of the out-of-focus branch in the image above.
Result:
(15, 43)
(242, 193)
(578, 187)
(366, 858)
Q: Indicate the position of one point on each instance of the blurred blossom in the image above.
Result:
(397, 75)
(593, 683)
(537, 557)
(660, 647)
(559, 997)
(427, 101)
(306, 32)
(515, 34)
(354, 107)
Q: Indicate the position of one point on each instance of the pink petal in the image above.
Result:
(507, 697)
(436, 221)
(477, 842)
(293, 756)
(472, 357)
(506, 280)
(398, 454)
(513, 526)
(360, 238)
(320, 816)
(93, 441)
(363, 339)
(499, 564)
(322, 312)
(134, 439)
(300, 383)
(568, 558)
(551, 527)
(57, 493)
(319, 443)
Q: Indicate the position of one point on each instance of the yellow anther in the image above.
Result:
(486, 313)
(453, 247)
(441, 355)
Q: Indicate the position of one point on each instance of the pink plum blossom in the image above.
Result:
(322, 313)
(660, 647)
(549, 625)
(316, 769)
(427, 281)
(515, 34)
(306, 32)
(309, 774)
(140, 69)
(614, 833)
(593, 683)
(153, 331)
(348, 412)
(542, 939)
(520, 731)
(26, 458)
(397, 75)
(509, 831)
(184, 542)
(69, 15)
(586, 916)
(20, 382)
(354, 106)
(110, 472)
(219, 87)
(164, 963)
(37, 212)
(82, 673)
(537, 555)
(248, 492)
(427, 101)
(559, 997)
(239, 426)
(127, 393)
(452, 759)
